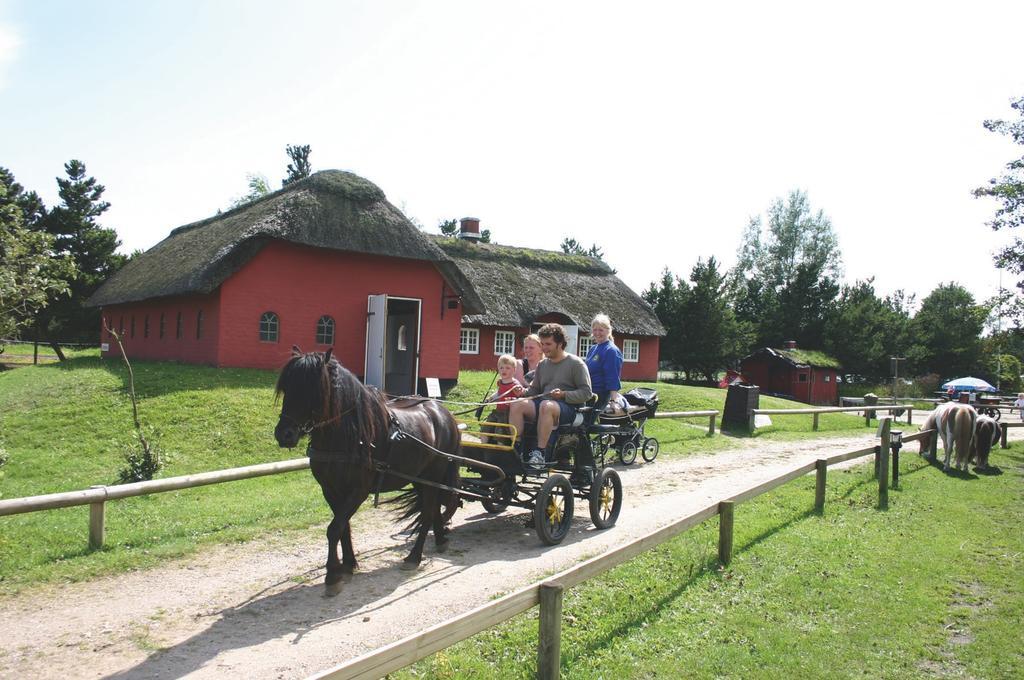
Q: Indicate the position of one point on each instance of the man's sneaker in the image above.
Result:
(535, 459)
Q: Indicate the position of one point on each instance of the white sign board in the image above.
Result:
(433, 387)
(104, 347)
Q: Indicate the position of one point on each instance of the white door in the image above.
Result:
(376, 325)
(571, 335)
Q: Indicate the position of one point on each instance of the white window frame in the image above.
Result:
(583, 345)
(504, 342)
(828, 378)
(469, 341)
(631, 351)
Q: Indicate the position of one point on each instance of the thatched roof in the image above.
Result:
(329, 209)
(515, 286)
(798, 358)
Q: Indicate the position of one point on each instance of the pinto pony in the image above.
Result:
(359, 444)
(986, 433)
(955, 424)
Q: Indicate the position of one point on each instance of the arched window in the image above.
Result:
(268, 327)
(325, 331)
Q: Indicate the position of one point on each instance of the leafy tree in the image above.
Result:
(786, 277)
(865, 331)
(668, 298)
(571, 246)
(299, 168)
(92, 248)
(28, 202)
(30, 274)
(1009, 191)
(946, 333)
(259, 187)
(712, 337)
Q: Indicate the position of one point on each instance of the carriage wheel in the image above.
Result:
(605, 499)
(996, 413)
(627, 453)
(650, 450)
(552, 512)
(496, 506)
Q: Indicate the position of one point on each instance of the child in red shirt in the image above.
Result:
(508, 389)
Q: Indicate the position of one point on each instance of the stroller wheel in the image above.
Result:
(650, 450)
(627, 454)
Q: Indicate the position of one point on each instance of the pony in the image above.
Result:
(361, 444)
(986, 433)
(955, 424)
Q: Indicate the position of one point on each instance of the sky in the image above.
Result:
(655, 130)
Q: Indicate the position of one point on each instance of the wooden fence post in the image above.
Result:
(711, 424)
(815, 426)
(867, 418)
(549, 645)
(725, 521)
(910, 416)
(821, 466)
(1002, 437)
(883, 465)
(96, 522)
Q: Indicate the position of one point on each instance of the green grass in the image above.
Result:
(930, 587)
(64, 427)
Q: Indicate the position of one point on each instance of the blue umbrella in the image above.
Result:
(968, 385)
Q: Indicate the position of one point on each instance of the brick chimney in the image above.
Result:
(470, 230)
(789, 344)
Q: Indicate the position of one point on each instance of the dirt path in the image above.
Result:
(259, 610)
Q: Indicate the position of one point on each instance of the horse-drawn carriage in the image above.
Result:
(548, 491)
(988, 405)
(362, 444)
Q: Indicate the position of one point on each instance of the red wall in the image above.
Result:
(301, 284)
(646, 369)
(188, 348)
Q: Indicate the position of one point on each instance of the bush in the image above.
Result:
(141, 464)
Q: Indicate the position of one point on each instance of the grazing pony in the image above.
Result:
(359, 444)
(955, 423)
(986, 433)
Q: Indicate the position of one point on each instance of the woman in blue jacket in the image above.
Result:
(604, 360)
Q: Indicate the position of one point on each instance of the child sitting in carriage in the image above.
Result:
(508, 389)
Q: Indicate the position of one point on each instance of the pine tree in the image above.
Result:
(299, 168)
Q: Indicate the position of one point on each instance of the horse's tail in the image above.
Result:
(963, 433)
(409, 505)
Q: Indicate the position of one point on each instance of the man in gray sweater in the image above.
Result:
(564, 382)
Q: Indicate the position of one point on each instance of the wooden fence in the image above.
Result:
(869, 412)
(549, 593)
(710, 415)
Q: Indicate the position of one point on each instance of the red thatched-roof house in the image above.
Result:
(804, 375)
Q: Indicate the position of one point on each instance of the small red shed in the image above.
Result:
(803, 375)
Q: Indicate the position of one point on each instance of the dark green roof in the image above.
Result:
(800, 357)
(515, 286)
(329, 209)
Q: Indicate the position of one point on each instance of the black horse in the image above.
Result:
(360, 444)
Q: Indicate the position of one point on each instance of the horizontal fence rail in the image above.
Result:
(709, 414)
(869, 412)
(547, 593)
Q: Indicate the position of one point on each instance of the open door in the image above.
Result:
(572, 334)
(392, 344)
(376, 323)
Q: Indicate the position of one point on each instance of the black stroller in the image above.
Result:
(627, 437)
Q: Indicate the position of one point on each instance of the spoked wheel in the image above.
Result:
(496, 506)
(995, 413)
(552, 512)
(650, 450)
(627, 453)
(600, 446)
(605, 499)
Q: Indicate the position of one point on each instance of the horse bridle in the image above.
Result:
(308, 426)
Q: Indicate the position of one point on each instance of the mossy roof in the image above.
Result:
(515, 286)
(329, 209)
(800, 357)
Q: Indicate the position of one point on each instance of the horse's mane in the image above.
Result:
(354, 414)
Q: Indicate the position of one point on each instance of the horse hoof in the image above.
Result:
(333, 577)
(442, 546)
(409, 566)
(332, 589)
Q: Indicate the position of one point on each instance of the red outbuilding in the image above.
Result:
(803, 375)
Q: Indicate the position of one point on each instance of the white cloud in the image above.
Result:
(10, 44)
